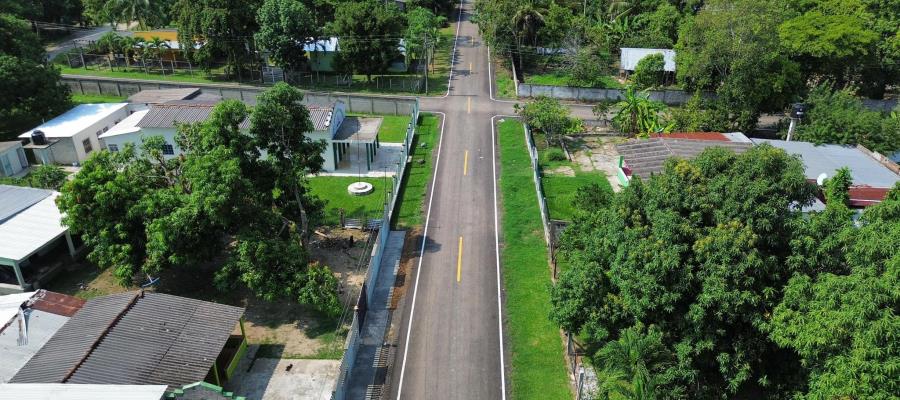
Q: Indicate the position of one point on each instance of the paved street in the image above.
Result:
(451, 333)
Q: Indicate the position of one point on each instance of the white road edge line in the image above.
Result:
(412, 308)
(455, 40)
(497, 252)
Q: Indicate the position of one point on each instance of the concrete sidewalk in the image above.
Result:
(370, 361)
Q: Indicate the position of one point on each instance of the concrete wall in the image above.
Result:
(12, 159)
(361, 104)
(670, 97)
(137, 138)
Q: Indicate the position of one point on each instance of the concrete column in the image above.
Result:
(19, 276)
(71, 244)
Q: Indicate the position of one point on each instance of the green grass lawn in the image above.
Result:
(96, 98)
(418, 173)
(506, 88)
(197, 77)
(557, 78)
(560, 191)
(538, 365)
(333, 190)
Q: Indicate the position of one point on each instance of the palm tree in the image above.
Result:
(129, 46)
(133, 10)
(629, 365)
(529, 17)
(639, 115)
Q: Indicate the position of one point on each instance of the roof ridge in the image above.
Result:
(137, 295)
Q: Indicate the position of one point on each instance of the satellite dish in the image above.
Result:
(821, 179)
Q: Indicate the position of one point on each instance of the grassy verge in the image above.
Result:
(506, 88)
(96, 98)
(538, 367)
(333, 190)
(393, 127)
(557, 78)
(560, 191)
(418, 173)
(197, 77)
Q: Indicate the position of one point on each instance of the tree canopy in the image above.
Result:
(140, 213)
(285, 26)
(369, 32)
(730, 287)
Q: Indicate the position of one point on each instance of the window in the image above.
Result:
(113, 147)
(168, 149)
(86, 143)
(105, 128)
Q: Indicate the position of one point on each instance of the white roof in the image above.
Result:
(630, 57)
(10, 304)
(127, 125)
(68, 391)
(76, 120)
(828, 158)
(329, 44)
(31, 229)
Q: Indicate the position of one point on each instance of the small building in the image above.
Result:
(645, 157)
(150, 97)
(629, 58)
(12, 158)
(162, 120)
(69, 138)
(142, 338)
(27, 321)
(32, 238)
(873, 174)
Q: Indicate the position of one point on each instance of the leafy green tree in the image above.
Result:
(698, 252)
(844, 324)
(588, 66)
(225, 27)
(732, 48)
(140, 213)
(550, 117)
(30, 90)
(699, 115)
(638, 115)
(648, 72)
(839, 117)
(438, 7)
(658, 29)
(369, 32)
(284, 27)
(48, 177)
(422, 32)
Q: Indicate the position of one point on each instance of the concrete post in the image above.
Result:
(71, 244)
(19, 276)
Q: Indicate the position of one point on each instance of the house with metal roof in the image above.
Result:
(69, 138)
(27, 321)
(58, 391)
(163, 119)
(645, 157)
(141, 338)
(630, 57)
(32, 238)
(873, 174)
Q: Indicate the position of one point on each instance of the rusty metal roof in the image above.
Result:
(132, 339)
(648, 156)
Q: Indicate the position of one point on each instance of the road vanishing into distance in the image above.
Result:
(451, 344)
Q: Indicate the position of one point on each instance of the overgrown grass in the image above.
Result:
(418, 173)
(538, 366)
(558, 78)
(560, 191)
(506, 88)
(333, 190)
(96, 98)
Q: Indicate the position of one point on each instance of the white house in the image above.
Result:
(629, 58)
(322, 53)
(161, 120)
(12, 158)
(72, 136)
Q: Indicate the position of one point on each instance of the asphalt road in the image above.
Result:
(451, 332)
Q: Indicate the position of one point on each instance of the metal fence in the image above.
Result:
(352, 342)
(539, 187)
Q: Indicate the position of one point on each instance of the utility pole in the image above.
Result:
(425, 53)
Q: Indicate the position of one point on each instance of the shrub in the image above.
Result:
(554, 154)
(649, 71)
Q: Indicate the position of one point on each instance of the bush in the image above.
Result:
(554, 154)
(588, 67)
(649, 71)
(839, 117)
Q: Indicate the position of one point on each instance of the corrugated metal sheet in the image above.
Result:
(31, 229)
(128, 339)
(157, 96)
(828, 158)
(320, 115)
(629, 58)
(648, 156)
(14, 199)
(56, 303)
(64, 351)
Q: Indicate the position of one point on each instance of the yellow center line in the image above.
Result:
(469, 105)
(466, 164)
(459, 261)
(470, 67)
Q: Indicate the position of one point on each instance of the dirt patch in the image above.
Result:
(411, 248)
(286, 328)
(603, 155)
(563, 170)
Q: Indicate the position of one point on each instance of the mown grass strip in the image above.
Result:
(538, 366)
(418, 173)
